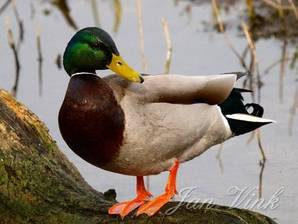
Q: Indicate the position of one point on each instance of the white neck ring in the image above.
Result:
(81, 73)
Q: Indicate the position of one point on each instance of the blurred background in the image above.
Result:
(174, 36)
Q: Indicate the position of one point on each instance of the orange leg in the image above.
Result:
(151, 207)
(124, 208)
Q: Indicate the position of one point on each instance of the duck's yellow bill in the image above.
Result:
(120, 67)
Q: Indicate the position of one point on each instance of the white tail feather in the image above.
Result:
(249, 118)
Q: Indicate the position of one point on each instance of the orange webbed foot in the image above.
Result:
(124, 208)
(151, 207)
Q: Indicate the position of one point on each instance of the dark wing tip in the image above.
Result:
(241, 90)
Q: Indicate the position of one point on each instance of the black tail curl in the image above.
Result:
(234, 105)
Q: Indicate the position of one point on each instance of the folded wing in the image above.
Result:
(213, 89)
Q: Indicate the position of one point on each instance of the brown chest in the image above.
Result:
(91, 121)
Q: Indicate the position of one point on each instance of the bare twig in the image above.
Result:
(258, 132)
(261, 180)
(20, 25)
(227, 39)
(176, 2)
(250, 8)
(39, 59)
(284, 58)
(32, 10)
(249, 39)
(277, 6)
(251, 137)
(95, 13)
(294, 8)
(141, 33)
(254, 65)
(293, 111)
(267, 70)
(251, 78)
(255, 68)
(58, 61)
(244, 53)
(219, 159)
(188, 11)
(118, 15)
(165, 26)
(4, 6)
(12, 45)
(262, 162)
(216, 15)
(62, 5)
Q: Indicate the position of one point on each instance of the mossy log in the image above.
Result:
(39, 185)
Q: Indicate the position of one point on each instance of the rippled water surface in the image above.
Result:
(195, 51)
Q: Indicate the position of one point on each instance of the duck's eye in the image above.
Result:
(96, 45)
(118, 63)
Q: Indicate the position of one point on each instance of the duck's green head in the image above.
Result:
(92, 49)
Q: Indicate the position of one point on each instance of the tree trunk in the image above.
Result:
(39, 185)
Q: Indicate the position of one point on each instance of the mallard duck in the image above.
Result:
(141, 125)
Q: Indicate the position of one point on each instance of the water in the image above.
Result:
(194, 52)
